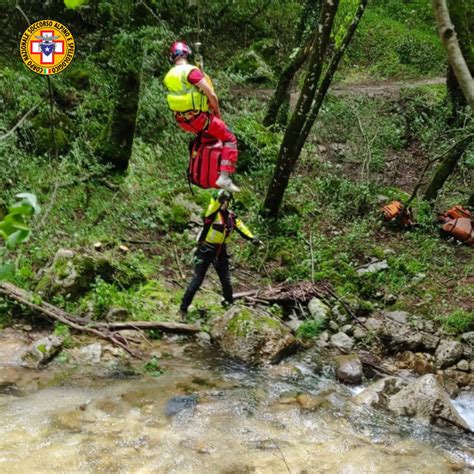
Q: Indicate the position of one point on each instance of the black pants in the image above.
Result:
(204, 257)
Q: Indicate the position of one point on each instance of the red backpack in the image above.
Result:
(204, 161)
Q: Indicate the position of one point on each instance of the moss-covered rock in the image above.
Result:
(252, 336)
(73, 274)
(42, 351)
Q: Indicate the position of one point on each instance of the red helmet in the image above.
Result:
(179, 49)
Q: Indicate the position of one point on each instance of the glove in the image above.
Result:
(257, 242)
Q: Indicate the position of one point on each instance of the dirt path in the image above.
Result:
(386, 89)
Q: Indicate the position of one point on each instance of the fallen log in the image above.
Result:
(107, 331)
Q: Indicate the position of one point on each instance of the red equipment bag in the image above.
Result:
(204, 161)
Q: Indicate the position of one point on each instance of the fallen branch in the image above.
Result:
(348, 309)
(244, 294)
(98, 329)
(293, 293)
(20, 296)
(20, 122)
(370, 360)
(178, 263)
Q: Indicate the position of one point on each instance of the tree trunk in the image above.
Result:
(453, 51)
(308, 105)
(284, 83)
(463, 53)
(117, 143)
(302, 45)
(289, 152)
(331, 70)
(462, 16)
(446, 168)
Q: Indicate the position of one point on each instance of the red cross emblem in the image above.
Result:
(47, 47)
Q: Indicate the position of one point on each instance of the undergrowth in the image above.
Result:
(330, 223)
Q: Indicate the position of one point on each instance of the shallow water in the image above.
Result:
(464, 404)
(206, 414)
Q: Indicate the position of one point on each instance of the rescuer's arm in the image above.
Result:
(206, 89)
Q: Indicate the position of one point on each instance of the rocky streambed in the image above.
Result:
(195, 410)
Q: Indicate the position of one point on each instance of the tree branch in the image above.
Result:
(20, 122)
(98, 329)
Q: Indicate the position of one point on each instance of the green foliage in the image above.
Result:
(149, 302)
(310, 329)
(258, 147)
(344, 16)
(152, 367)
(330, 222)
(73, 4)
(393, 41)
(63, 331)
(458, 321)
(14, 229)
(252, 68)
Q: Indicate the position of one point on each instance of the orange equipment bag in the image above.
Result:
(396, 209)
(458, 211)
(391, 210)
(461, 228)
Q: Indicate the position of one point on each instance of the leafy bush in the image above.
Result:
(310, 329)
(14, 229)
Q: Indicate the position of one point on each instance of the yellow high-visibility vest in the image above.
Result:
(184, 96)
(215, 229)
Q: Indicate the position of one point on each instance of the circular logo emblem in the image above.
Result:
(47, 47)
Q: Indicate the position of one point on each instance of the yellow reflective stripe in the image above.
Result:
(214, 236)
(213, 207)
(243, 228)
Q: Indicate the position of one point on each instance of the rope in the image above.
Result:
(199, 20)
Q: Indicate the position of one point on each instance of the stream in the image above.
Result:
(208, 414)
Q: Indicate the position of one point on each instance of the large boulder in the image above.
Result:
(425, 398)
(377, 394)
(399, 337)
(252, 336)
(342, 342)
(42, 351)
(348, 369)
(448, 353)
